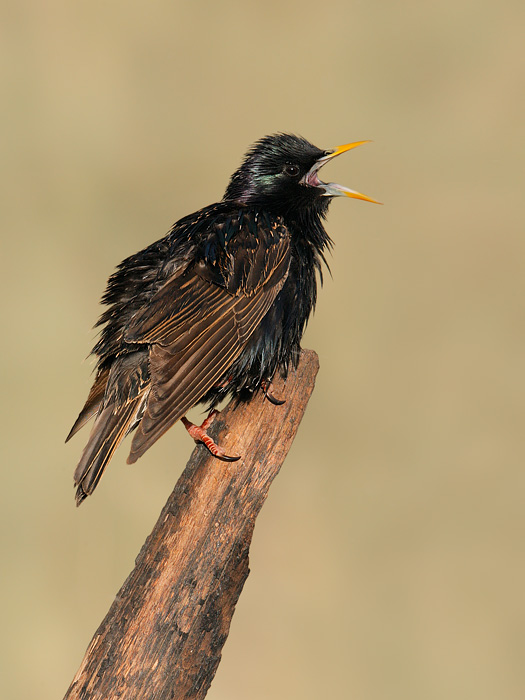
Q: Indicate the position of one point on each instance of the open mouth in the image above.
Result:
(332, 189)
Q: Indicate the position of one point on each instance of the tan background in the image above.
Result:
(388, 561)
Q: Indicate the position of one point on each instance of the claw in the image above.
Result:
(267, 388)
(199, 434)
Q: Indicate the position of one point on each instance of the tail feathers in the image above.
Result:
(110, 428)
(93, 402)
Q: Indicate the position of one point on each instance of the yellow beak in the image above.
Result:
(345, 148)
(331, 188)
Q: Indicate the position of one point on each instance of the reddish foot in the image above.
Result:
(199, 434)
(267, 388)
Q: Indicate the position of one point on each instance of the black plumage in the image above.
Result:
(214, 308)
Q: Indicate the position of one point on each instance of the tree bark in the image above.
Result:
(163, 635)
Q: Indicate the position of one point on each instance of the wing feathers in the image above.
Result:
(183, 371)
(175, 310)
(179, 384)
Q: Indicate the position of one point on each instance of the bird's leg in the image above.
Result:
(268, 388)
(199, 434)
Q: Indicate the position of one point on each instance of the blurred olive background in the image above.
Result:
(388, 560)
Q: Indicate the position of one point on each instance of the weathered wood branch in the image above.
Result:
(163, 635)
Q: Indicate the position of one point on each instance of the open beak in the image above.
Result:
(331, 189)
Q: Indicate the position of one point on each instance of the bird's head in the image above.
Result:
(281, 172)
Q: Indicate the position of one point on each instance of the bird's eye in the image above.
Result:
(291, 170)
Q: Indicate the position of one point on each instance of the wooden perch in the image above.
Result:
(163, 635)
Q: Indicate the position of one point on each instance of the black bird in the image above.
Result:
(214, 308)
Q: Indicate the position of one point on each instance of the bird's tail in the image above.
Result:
(93, 403)
(111, 426)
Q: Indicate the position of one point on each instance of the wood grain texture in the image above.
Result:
(163, 635)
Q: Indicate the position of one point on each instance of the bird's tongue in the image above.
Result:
(312, 179)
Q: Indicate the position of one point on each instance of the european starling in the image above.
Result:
(215, 308)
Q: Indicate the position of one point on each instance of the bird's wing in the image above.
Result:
(198, 323)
